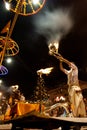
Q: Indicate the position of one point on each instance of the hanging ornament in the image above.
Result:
(3, 70)
(11, 46)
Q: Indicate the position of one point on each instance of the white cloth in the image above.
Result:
(77, 102)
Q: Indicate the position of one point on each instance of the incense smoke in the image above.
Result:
(54, 25)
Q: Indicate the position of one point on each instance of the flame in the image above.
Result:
(15, 87)
(45, 71)
(54, 46)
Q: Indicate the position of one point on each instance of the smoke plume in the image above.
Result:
(54, 25)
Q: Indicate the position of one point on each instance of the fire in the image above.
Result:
(56, 44)
(14, 87)
(53, 47)
(45, 71)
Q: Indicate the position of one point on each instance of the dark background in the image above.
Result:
(33, 44)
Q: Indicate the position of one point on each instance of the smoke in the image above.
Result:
(5, 89)
(54, 25)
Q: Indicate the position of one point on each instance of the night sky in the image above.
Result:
(63, 20)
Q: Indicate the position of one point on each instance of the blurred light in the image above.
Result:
(60, 128)
(35, 1)
(45, 71)
(9, 60)
(57, 99)
(7, 5)
(14, 87)
(0, 81)
(0, 94)
(62, 98)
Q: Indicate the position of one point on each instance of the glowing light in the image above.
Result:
(57, 99)
(14, 87)
(0, 81)
(35, 1)
(7, 5)
(62, 98)
(0, 94)
(45, 71)
(54, 46)
(9, 60)
(60, 128)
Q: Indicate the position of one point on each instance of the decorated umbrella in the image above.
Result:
(8, 46)
(25, 7)
(11, 47)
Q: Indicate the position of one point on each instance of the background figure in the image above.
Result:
(74, 90)
(22, 98)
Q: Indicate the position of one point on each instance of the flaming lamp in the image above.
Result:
(41, 94)
(53, 47)
(44, 71)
